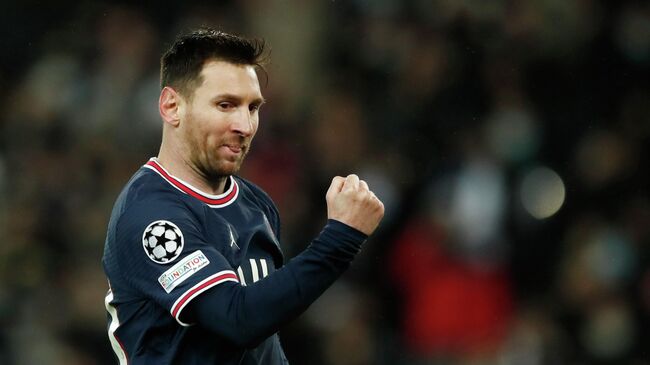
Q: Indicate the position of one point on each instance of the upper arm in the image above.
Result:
(164, 255)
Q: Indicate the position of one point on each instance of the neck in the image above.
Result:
(176, 164)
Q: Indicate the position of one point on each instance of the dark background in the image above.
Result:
(506, 138)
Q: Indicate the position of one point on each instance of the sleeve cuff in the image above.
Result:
(193, 292)
(349, 232)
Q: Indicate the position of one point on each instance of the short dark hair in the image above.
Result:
(181, 65)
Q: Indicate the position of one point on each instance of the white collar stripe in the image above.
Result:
(214, 201)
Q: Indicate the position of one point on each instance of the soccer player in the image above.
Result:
(192, 255)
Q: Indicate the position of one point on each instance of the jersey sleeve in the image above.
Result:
(163, 254)
(246, 315)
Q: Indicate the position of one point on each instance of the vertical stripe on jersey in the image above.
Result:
(265, 270)
(241, 276)
(256, 275)
(115, 323)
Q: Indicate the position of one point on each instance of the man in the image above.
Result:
(196, 274)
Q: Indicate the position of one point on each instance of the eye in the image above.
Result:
(225, 105)
(254, 107)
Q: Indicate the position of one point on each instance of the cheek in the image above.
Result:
(256, 124)
(197, 131)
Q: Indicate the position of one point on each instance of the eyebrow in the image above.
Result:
(258, 101)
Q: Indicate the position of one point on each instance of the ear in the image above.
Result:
(168, 106)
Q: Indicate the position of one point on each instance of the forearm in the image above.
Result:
(247, 314)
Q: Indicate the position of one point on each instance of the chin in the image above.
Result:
(226, 168)
(221, 165)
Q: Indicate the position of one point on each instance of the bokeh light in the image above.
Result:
(542, 192)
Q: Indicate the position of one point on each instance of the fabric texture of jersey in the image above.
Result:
(168, 243)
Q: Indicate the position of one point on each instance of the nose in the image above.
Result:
(243, 123)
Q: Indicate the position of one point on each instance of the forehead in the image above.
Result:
(220, 77)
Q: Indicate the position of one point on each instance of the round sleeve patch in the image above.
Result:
(162, 241)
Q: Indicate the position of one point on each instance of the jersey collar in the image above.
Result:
(214, 201)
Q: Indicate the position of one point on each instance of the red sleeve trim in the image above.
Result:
(193, 292)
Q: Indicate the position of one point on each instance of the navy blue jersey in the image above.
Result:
(191, 275)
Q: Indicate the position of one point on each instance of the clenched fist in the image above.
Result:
(350, 201)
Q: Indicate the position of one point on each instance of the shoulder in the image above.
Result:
(253, 191)
(262, 200)
(146, 199)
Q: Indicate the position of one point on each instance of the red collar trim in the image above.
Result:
(215, 201)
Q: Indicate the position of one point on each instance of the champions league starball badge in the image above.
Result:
(162, 241)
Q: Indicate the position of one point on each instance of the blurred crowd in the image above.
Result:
(506, 139)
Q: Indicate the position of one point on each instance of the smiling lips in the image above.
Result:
(235, 148)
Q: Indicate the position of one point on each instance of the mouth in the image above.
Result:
(235, 148)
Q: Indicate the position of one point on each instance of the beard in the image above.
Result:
(216, 165)
(214, 158)
(214, 155)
